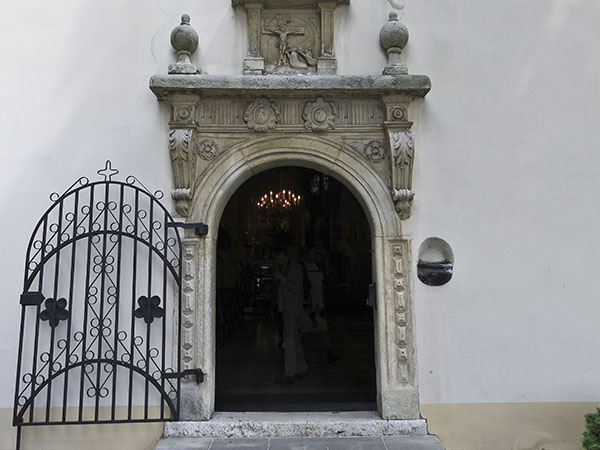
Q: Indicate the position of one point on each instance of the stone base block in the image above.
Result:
(317, 425)
(254, 66)
(183, 68)
(327, 66)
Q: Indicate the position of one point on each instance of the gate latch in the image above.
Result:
(200, 228)
(178, 375)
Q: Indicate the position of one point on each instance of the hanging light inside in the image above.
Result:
(282, 199)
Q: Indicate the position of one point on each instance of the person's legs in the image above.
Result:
(290, 332)
(301, 365)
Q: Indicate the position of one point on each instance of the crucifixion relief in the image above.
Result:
(289, 54)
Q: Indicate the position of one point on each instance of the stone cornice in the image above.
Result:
(288, 3)
(410, 85)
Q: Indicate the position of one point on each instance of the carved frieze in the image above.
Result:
(262, 115)
(320, 115)
(374, 151)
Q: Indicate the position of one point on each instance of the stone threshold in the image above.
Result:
(296, 425)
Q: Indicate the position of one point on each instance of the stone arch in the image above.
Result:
(249, 158)
(397, 395)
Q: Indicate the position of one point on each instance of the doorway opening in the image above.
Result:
(321, 225)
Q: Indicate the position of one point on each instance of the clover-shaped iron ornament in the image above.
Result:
(56, 310)
(149, 309)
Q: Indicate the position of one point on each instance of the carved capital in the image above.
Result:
(402, 151)
(179, 149)
(262, 115)
(320, 115)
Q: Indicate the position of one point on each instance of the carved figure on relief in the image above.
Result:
(291, 56)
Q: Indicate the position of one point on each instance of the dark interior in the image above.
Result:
(320, 214)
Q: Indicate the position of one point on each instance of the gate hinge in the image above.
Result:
(197, 372)
(200, 228)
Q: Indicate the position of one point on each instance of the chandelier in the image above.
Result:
(285, 199)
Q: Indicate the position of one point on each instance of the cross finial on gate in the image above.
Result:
(108, 172)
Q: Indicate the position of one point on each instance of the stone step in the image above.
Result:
(297, 425)
(336, 443)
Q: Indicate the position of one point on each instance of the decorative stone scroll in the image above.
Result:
(403, 150)
(179, 150)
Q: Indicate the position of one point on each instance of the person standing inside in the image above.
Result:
(290, 297)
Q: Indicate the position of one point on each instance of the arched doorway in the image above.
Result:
(395, 357)
(321, 225)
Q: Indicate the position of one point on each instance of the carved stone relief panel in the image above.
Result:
(400, 293)
(262, 115)
(320, 115)
(188, 308)
(290, 40)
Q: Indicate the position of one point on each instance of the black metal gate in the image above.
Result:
(101, 306)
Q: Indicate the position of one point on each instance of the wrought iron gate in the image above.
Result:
(101, 304)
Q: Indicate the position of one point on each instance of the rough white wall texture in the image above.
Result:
(507, 167)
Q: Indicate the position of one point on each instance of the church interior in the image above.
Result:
(316, 218)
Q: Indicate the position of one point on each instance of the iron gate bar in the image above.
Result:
(96, 219)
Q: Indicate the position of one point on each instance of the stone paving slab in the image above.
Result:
(352, 443)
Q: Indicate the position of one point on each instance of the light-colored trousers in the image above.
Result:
(294, 362)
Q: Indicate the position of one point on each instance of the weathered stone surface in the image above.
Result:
(254, 425)
(412, 85)
(336, 443)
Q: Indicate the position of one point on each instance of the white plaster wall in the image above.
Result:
(507, 165)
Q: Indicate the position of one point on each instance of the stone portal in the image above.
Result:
(357, 129)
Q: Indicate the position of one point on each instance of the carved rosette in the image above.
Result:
(183, 114)
(179, 150)
(401, 311)
(374, 151)
(320, 115)
(207, 149)
(402, 150)
(262, 115)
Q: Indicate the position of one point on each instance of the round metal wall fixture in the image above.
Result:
(436, 262)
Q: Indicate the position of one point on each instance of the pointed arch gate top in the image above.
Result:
(101, 304)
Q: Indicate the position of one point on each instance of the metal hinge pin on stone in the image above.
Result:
(201, 229)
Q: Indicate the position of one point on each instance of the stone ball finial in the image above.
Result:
(394, 34)
(393, 38)
(184, 40)
(184, 37)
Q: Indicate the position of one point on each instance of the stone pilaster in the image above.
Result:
(327, 64)
(254, 63)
